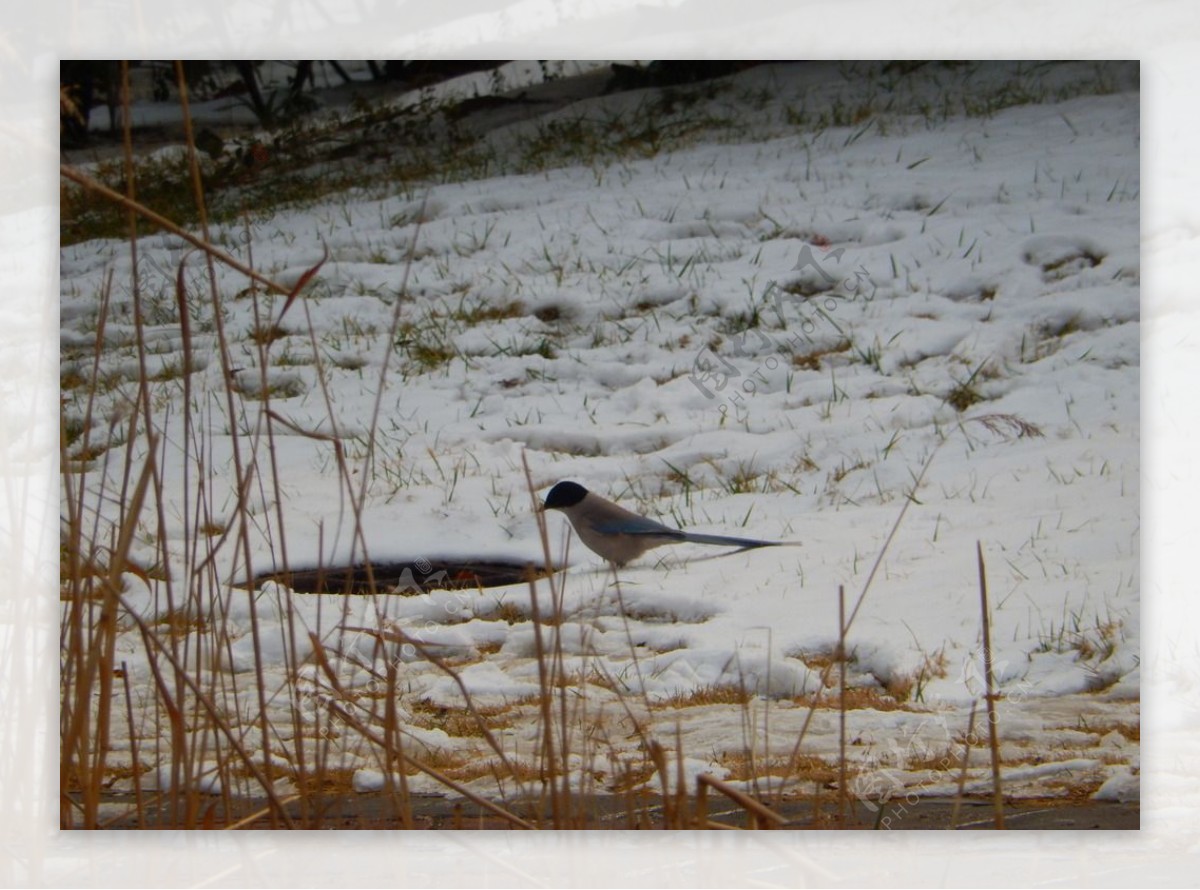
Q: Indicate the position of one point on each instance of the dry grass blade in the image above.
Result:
(559, 796)
(962, 772)
(304, 279)
(841, 657)
(1007, 424)
(762, 816)
(990, 695)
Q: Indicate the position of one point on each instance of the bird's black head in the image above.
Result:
(564, 495)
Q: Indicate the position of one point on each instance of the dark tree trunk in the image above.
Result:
(249, 74)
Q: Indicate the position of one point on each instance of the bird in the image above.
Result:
(620, 535)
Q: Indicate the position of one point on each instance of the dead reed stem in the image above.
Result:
(962, 772)
(990, 695)
(841, 658)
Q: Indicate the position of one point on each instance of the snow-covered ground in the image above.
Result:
(872, 290)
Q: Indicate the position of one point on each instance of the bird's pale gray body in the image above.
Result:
(619, 535)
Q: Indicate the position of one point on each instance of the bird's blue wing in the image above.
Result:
(636, 525)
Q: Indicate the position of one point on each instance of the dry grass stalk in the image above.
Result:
(990, 695)
(841, 651)
(760, 815)
(962, 773)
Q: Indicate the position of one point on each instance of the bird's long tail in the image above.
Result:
(723, 541)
